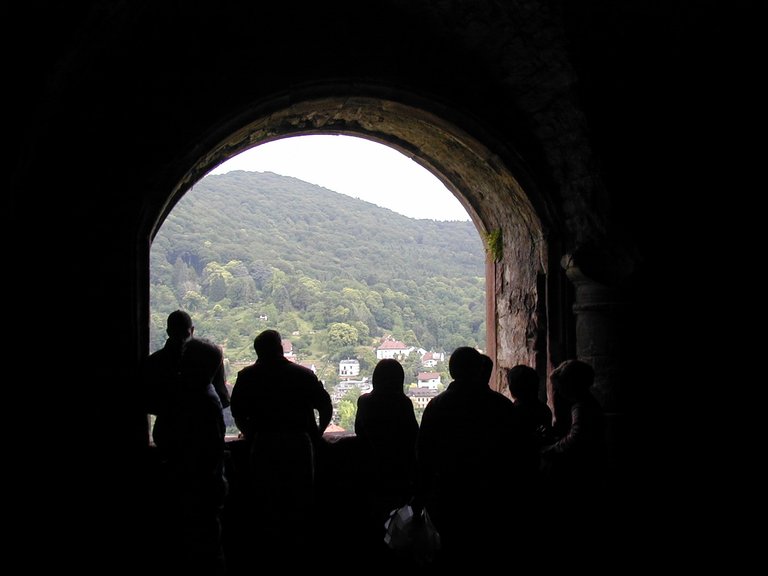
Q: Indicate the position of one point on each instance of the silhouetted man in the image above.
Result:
(187, 392)
(274, 404)
(471, 451)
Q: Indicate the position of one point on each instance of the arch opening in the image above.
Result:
(487, 179)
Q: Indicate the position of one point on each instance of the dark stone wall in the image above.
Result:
(569, 127)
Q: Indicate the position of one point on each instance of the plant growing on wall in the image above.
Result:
(493, 244)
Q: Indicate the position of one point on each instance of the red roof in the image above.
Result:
(392, 345)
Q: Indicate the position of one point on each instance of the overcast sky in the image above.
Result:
(355, 167)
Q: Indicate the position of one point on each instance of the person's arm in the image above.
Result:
(324, 407)
(238, 408)
(360, 418)
(579, 432)
(220, 385)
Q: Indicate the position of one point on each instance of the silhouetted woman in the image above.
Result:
(523, 386)
(575, 463)
(386, 427)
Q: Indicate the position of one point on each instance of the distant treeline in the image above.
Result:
(244, 251)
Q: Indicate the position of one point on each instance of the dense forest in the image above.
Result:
(245, 251)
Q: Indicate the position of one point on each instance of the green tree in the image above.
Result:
(367, 358)
(194, 301)
(411, 367)
(363, 331)
(288, 324)
(347, 411)
(242, 291)
(304, 291)
(341, 336)
(216, 278)
(339, 314)
(157, 334)
(348, 408)
(162, 299)
(184, 277)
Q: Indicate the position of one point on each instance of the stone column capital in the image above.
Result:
(587, 265)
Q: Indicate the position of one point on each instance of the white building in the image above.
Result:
(421, 396)
(430, 359)
(429, 380)
(349, 368)
(392, 348)
(288, 350)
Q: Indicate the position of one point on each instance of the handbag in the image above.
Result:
(412, 535)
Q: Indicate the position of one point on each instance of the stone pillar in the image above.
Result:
(603, 336)
(598, 333)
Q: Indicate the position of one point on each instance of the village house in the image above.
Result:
(429, 380)
(392, 348)
(430, 359)
(421, 396)
(288, 350)
(349, 368)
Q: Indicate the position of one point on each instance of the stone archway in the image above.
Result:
(477, 172)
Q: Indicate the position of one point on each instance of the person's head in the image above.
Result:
(464, 363)
(179, 326)
(522, 383)
(268, 344)
(572, 379)
(388, 376)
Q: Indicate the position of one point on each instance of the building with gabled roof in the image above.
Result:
(430, 359)
(420, 396)
(428, 380)
(391, 348)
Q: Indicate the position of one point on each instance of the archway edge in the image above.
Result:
(476, 168)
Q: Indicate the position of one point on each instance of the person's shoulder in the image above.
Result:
(502, 402)
(440, 397)
(204, 343)
(158, 358)
(155, 356)
(246, 371)
(397, 399)
(293, 366)
(200, 350)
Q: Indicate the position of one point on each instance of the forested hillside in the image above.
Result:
(244, 251)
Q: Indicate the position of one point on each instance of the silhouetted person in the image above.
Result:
(273, 404)
(575, 462)
(536, 420)
(523, 386)
(471, 451)
(186, 390)
(386, 427)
